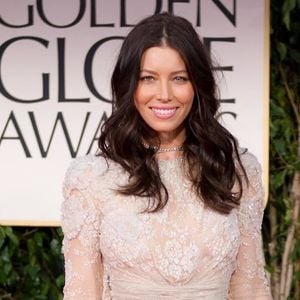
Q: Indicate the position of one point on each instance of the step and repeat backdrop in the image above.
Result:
(56, 59)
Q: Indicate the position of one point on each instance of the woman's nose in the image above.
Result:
(165, 92)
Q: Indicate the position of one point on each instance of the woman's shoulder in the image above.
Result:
(90, 162)
(249, 161)
(83, 169)
(252, 202)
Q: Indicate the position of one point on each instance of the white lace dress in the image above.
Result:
(185, 251)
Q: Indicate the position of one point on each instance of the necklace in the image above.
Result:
(161, 150)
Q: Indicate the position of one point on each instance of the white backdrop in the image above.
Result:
(56, 58)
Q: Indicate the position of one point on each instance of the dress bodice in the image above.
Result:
(185, 251)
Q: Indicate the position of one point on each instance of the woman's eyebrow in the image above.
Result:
(153, 72)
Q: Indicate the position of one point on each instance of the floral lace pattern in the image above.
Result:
(185, 251)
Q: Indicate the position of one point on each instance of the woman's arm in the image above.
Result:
(80, 224)
(249, 281)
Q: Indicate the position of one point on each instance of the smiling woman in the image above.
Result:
(164, 95)
(171, 207)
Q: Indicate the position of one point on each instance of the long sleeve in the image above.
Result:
(80, 224)
(249, 281)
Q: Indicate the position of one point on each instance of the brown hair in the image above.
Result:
(209, 149)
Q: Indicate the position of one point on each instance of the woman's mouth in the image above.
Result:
(164, 113)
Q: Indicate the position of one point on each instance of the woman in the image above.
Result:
(170, 208)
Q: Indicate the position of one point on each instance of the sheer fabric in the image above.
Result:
(186, 251)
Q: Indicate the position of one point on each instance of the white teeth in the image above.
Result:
(164, 111)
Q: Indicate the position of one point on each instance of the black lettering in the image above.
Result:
(61, 75)
(228, 101)
(209, 41)
(123, 15)
(88, 66)
(171, 4)
(45, 77)
(29, 22)
(234, 115)
(94, 17)
(19, 136)
(231, 16)
(97, 132)
(59, 119)
(123, 22)
(158, 7)
(40, 9)
(198, 18)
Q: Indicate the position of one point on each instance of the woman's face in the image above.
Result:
(164, 94)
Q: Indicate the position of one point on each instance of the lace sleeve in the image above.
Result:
(80, 224)
(249, 281)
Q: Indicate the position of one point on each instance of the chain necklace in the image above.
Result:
(162, 150)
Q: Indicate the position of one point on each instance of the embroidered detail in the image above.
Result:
(185, 244)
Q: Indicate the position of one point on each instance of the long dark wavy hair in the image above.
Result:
(210, 151)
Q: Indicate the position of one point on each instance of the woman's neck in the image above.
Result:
(170, 145)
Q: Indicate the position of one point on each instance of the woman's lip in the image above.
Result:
(164, 112)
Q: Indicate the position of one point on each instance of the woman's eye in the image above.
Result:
(180, 79)
(147, 78)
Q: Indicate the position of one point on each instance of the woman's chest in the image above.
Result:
(178, 241)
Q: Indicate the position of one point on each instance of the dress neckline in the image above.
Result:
(172, 161)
